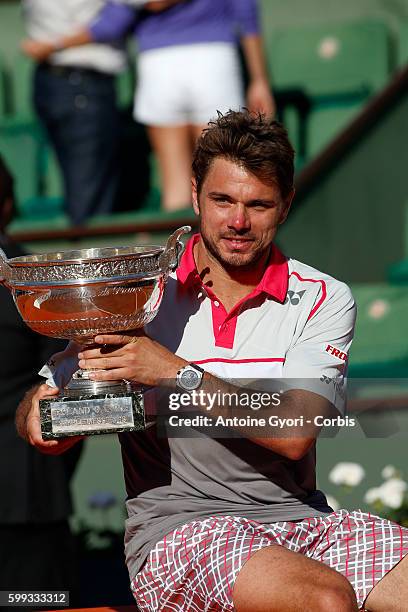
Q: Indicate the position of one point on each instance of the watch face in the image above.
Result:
(190, 379)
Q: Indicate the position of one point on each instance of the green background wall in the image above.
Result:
(300, 12)
(352, 224)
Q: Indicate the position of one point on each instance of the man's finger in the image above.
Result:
(57, 447)
(44, 391)
(105, 363)
(115, 374)
(33, 426)
(54, 447)
(120, 339)
(35, 438)
(103, 350)
(113, 339)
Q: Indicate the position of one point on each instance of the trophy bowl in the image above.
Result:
(76, 295)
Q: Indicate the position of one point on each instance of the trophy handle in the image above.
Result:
(169, 259)
(5, 270)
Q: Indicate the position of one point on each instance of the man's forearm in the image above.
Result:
(23, 410)
(234, 406)
(82, 37)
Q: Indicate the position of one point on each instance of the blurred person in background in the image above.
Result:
(37, 549)
(74, 97)
(188, 69)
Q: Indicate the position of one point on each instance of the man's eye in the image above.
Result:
(261, 206)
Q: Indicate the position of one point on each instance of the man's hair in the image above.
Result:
(259, 144)
(6, 184)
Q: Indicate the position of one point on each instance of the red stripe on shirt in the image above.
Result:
(324, 291)
(224, 360)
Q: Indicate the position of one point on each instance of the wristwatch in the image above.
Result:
(190, 377)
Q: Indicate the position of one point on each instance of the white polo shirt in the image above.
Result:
(297, 324)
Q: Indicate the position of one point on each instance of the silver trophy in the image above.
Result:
(76, 295)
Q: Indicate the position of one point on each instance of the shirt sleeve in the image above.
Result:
(60, 367)
(246, 16)
(113, 21)
(318, 359)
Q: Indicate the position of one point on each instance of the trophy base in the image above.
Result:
(88, 414)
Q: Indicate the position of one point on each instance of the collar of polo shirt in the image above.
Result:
(274, 281)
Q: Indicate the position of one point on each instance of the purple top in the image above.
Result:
(191, 21)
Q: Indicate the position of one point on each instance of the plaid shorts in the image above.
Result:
(194, 567)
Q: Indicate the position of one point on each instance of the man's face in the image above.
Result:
(239, 214)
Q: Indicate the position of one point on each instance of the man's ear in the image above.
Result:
(286, 206)
(195, 196)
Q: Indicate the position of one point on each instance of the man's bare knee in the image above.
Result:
(338, 597)
(277, 580)
(317, 599)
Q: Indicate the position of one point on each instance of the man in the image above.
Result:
(236, 522)
(74, 96)
(97, 145)
(37, 549)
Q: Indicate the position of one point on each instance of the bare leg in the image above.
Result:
(173, 149)
(278, 580)
(391, 593)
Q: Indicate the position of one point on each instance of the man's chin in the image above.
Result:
(239, 261)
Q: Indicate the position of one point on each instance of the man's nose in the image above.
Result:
(239, 219)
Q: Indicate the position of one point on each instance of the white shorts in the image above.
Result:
(187, 84)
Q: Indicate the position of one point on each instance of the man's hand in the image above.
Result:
(28, 422)
(38, 50)
(260, 98)
(130, 356)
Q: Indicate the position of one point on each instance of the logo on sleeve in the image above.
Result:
(336, 352)
(294, 297)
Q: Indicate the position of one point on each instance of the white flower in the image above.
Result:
(391, 493)
(347, 473)
(389, 472)
(373, 495)
(333, 503)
